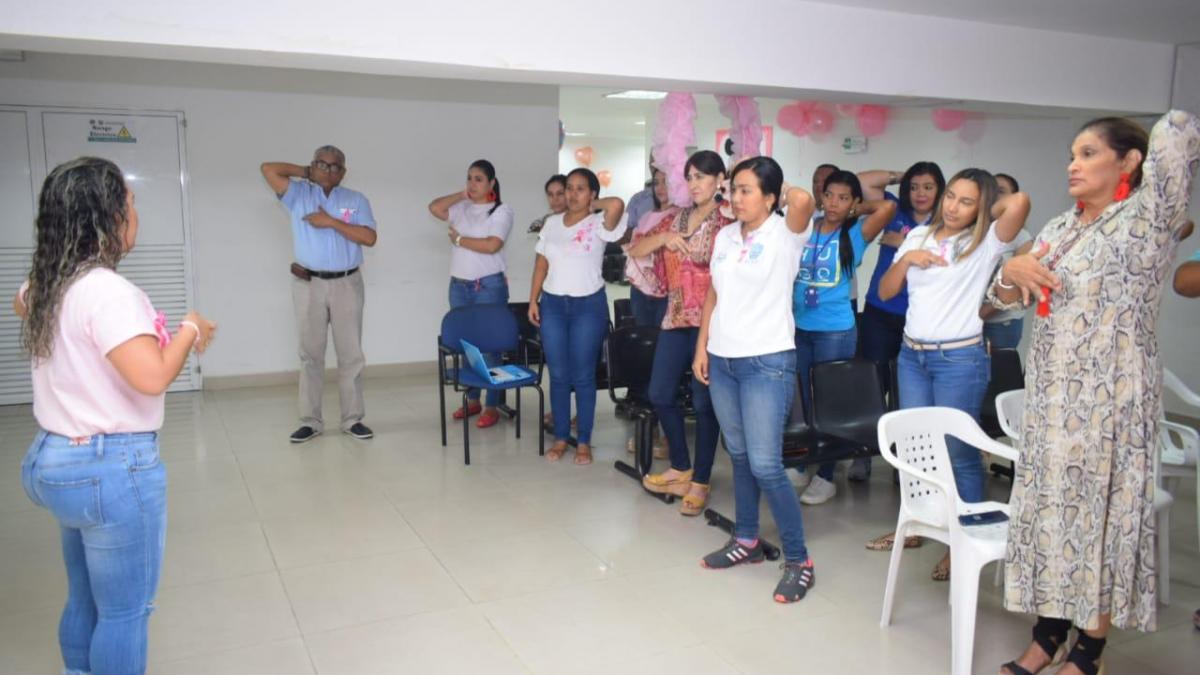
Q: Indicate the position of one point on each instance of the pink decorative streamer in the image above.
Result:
(673, 133)
(745, 129)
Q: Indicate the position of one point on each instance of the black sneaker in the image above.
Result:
(798, 577)
(733, 553)
(304, 434)
(361, 431)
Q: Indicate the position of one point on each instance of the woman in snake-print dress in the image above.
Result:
(1081, 546)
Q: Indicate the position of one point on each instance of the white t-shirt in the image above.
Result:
(576, 253)
(943, 302)
(1020, 240)
(77, 392)
(472, 220)
(753, 280)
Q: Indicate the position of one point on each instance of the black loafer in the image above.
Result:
(361, 431)
(304, 434)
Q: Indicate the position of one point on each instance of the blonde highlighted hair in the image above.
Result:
(989, 192)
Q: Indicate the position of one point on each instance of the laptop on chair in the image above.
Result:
(498, 375)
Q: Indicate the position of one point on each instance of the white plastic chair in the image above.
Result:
(1180, 452)
(1010, 409)
(930, 507)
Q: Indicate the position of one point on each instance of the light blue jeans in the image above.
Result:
(109, 495)
(752, 397)
(489, 290)
(953, 378)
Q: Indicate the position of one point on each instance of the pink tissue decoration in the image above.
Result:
(804, 118)
(972, 127)
(160, 329)
(745, 129)
(946, 119)
(873, 119)
(673, 133)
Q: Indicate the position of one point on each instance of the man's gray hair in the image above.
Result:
(332, 149)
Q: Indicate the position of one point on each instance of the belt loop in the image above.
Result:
(98, 439)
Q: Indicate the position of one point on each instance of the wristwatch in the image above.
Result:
(458, 240)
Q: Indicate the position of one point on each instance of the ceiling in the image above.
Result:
(1167, 21)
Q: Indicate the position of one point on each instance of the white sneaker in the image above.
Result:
(819, 491)
(800, 479)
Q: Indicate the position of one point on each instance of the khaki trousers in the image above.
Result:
(319, 304)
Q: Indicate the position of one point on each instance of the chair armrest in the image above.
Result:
(980, 440)
(1188, 450)
(1176, 386)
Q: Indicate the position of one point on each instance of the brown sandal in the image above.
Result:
(941, 571)
(583, 454)
(885, 542)
(693, 504)
(556, 451)
(659, 483)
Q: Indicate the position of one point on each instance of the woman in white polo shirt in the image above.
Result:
(567, 300)
(479, 226)
(746, 354)
(946, 267)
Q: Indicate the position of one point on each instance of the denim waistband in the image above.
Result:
(98, 443)
(472, 282)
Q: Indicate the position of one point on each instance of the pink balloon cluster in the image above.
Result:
(745, 124)
(872, 120)
(969, 125)
(674, 131)
(806, 118)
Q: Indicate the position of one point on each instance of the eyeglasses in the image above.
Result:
(327, 167)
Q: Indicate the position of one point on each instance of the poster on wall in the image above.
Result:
(109, 131)
(765, 147)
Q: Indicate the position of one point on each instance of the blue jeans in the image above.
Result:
(752, 397)
(489, 290)
(1004, 334)
(572, 331)
(672, 360)
(880, 334)
(953, 378)
(813, 347)
(647, 309)
(109, 495)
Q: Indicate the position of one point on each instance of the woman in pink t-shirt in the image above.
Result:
(101, 358)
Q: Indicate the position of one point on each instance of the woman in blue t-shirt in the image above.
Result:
(825, 327)
(881, 325)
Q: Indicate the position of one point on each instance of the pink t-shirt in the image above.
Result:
(77, 392)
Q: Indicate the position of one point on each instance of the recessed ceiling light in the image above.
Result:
(640, 123)
(640, 94)
(575, 133)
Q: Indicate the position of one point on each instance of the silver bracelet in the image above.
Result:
(1001, 284)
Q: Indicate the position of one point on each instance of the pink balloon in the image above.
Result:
(872, 120)
(820, 121)
(847, 109)
(972, 128)
(605, 177)
(794, 118)
(584, 155)
(946, 119)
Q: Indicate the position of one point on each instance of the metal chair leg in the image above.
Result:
(466, 433)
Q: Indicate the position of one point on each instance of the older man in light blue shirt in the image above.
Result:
(330, 225)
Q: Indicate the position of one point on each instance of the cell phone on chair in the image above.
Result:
(984, 518)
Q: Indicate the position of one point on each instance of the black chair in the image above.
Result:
(612, 268)
(1007, 375)
(493, 329)
(847, 404)
(630, 352)
(622, 313)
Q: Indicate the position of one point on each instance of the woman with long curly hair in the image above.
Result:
(102, 359)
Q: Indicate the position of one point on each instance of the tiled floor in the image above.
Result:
(389, 556)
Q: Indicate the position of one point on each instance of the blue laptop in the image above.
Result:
(499, 375)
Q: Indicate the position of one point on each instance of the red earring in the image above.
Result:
(492, 196)
(1079, 205)
(1122, 188)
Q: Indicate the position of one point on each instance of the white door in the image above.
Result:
(149, 149)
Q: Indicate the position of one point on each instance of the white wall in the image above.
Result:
(406, 140)
(770, 45)
(625, 158)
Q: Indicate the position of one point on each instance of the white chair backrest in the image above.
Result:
(1010, 410)
(1173, 384)
(918, 436)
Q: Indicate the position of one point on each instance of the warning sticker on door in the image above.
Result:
(109, 131)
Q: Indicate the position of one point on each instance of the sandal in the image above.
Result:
(661, 484)
(556, 451)
(1050, 635)
(583, 454)
(1085, 655)
(694, 500)
(472, 409)
(885, 542)
(941, 571)
(489, 418)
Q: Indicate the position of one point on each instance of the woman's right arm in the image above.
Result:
(440, 207)
(700, 360)
(874, 182)
(541, 267)
(150, 369)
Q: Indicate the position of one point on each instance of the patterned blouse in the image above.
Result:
(687, 276)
